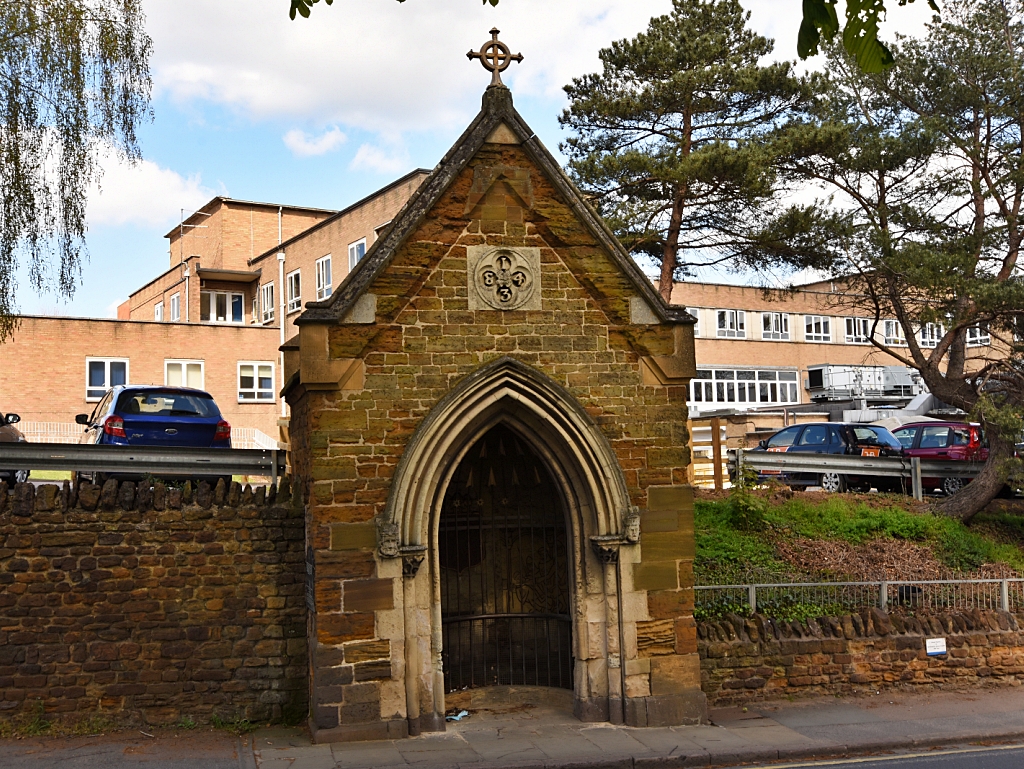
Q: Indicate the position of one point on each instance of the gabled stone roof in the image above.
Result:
(497, 109)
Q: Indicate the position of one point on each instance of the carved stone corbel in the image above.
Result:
(606, 548)
(412, 557)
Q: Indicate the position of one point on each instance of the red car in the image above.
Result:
(958, 441)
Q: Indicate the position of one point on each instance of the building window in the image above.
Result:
(931, 334)
(732, 386)
(323, 277)
(893, 333)
(978, 336)
(774, 325)
(158, 312)
(732, 323)
(817, 328)
(103, 373)
(175, 308)
(858, 330)
(356, 251)
(220, 307)
(294, 291)
(267, 302)
(695, 312)
(184, 373)
(255, 381)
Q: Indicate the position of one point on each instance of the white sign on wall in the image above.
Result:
(935, 646)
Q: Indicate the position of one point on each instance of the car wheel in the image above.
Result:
(951, 486)
(21, 476)
(833, 482)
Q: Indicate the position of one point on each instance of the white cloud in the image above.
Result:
(387, 66)
(380, 160)
(144, 193)
(303, 145)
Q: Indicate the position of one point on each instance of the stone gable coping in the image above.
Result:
(497, 110)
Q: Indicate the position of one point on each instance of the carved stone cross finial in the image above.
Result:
(495, 56)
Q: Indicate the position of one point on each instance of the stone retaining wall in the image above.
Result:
(745, 659)
(141, 600)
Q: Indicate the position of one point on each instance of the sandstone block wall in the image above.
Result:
(761, 658)
(139, 600)
(348, 441)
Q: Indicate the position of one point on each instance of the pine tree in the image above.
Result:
(673, 138)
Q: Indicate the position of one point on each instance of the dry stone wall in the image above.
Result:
(142, 600)
(744, 659)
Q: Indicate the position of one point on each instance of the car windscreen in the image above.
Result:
(155, 403)
(876, 435)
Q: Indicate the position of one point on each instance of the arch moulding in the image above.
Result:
(544, 412)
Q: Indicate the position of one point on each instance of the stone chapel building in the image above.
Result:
(489, 431)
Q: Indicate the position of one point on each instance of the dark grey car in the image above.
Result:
(10, 434)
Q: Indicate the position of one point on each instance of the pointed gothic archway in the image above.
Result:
(587, 479)
(503, 555)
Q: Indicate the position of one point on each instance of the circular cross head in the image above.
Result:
(504, 280)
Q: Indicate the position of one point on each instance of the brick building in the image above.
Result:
(760, 349)
(488, 428)
(212, 320)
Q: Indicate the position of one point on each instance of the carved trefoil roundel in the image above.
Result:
(503, 278)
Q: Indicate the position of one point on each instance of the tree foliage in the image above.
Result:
(74, 84)
(672, 139)
(923, 168)
(860, 33)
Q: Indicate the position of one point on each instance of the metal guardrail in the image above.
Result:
(832, 597)
(900, 467)
(154, 460)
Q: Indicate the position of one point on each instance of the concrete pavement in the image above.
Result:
(517, 736)
(533, 738)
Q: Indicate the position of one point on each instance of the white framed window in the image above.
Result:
(892, 331)
(323, 277)
(745, 386)
(978, 336)
(267, 302)
(732, 323)
(158, 312)
(220, 307)
(695, 312)
(858, 330)
(817, 328)
(184, 373)
(103, 373)
(931, 334)
(775, 325)
(175, 308)
(255, 381)
(293, 293)
(356, 251)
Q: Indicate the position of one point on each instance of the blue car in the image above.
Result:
(151, 415)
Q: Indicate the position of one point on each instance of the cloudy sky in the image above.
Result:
(323, 111)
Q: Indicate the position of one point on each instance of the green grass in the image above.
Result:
(727, 551)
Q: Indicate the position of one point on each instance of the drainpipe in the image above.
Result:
(188, 272)
(281, 305)
(281, 302)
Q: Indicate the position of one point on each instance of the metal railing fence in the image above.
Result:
(142, 460)
(838, 597)
(914, 468)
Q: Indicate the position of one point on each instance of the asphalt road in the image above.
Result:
(1003, 757)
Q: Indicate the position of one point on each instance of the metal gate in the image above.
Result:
(504, 556)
